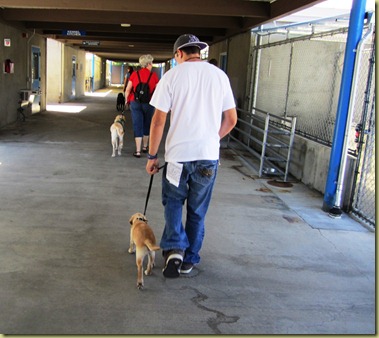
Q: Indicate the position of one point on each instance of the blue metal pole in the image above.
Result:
(354, 35)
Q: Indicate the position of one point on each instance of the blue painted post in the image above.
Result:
(354, 35)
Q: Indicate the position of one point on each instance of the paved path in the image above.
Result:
(272, 261)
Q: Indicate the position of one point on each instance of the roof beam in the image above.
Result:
(126, 43)
(198, 7)
(112, 28)
(149, 19)
(153, 23)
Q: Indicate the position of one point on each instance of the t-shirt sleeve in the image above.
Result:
(229, 101)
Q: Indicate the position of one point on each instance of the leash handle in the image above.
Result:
(149, 190)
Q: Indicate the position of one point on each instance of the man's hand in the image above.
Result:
(152, 166)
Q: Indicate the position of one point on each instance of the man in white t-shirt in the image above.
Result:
(202, 110)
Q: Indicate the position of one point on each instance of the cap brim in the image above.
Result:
(199, 44)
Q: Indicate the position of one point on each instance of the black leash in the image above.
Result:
(148, 191)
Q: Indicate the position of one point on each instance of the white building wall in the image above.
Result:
(54, 71)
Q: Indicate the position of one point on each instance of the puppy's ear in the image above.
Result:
(131, 220)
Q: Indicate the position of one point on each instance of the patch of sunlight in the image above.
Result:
(98, 94)
(62, 108)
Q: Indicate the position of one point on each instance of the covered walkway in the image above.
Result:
(272, 261)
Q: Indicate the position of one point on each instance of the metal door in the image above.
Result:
(36, 68)
(73, 87)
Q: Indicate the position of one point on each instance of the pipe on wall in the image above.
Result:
(353, 38)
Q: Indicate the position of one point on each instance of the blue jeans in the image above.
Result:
(142, 113)
(195, 188)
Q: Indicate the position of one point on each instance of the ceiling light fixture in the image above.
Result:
(125, 25)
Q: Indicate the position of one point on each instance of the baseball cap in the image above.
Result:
(187, 40)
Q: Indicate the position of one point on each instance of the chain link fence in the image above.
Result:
(301, 77)
(297, 73)
(362, 137)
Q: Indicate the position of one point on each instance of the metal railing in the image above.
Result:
(268, 138)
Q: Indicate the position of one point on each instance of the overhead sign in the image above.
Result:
(91, 43)
(73, 33)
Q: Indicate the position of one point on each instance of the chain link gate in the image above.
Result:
(363, 191)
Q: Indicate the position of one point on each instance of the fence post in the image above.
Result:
(354, 36)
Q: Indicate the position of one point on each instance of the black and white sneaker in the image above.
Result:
(186, 268)
(174, 260)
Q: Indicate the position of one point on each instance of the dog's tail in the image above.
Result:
(151, 246)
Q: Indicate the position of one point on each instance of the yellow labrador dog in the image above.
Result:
(142, 241)
(117, 134)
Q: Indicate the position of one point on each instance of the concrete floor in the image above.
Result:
(272, 261)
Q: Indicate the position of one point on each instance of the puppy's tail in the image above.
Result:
(151, 246)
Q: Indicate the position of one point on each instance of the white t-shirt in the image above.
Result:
(196, 93)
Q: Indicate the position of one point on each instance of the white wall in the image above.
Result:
(54, 71)
(68, 93)
(310, 163)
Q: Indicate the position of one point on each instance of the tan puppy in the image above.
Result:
(117, 134)
(142, 241)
